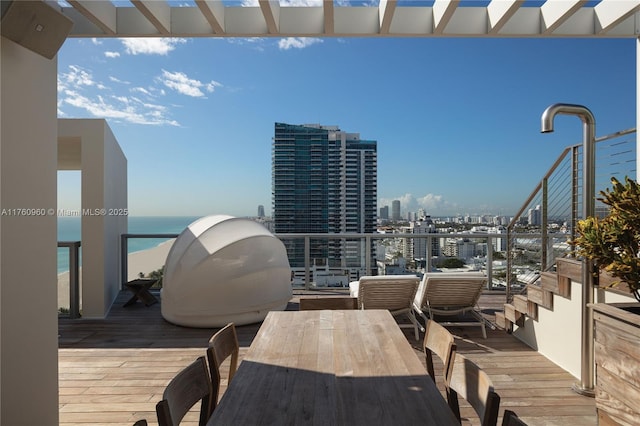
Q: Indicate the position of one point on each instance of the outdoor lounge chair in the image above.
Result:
(451, 294)
(392, 292)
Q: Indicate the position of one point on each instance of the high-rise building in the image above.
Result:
(384, 212)
(260, 210)
(395, 210)
(324, 181)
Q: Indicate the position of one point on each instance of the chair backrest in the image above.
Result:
(439, 341)
(190, 385)
(392, 292)
(318, 303)
(222, 345)
(450, 290)
(474, 385)
(511, 419)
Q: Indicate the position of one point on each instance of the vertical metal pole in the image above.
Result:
(124, 260)
(544, 224)
(307, 263)
(509, 261)
(489, 263)
(74, 280)
(586, 385)
(367, 250)
(574, 195)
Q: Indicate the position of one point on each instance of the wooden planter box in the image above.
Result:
(617, 358)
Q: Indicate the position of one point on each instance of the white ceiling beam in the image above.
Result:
(329, 24)
(610, 13)
(271, 12)
(213, 11)
(499, 12)
(156, 12)
(443, 10)
(556, 12)
(386, 9)
(101, 13)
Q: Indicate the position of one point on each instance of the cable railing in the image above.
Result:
(554, 206)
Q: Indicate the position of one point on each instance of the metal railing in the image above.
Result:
(554, 206)
(74, 276)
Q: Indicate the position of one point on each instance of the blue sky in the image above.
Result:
(457, 120)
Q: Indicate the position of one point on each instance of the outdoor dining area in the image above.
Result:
(330, 357)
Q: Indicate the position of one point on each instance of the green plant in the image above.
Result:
(613, 242)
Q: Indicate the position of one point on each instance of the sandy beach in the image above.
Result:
(144, 261)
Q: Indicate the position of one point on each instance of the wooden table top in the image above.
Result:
(351, 367)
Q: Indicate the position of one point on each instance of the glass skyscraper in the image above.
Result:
(324, 180)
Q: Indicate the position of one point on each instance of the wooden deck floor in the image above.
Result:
(113, 371)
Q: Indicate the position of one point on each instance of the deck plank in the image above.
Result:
(113, 371)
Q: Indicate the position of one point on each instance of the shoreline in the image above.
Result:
(144, 261)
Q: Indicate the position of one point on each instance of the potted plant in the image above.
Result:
(612, 244)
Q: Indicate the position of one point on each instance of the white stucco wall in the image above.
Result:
(28, 255)
(557, 333)
(104, 203)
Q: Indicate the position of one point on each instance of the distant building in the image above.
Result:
(384, 212)
(261, 211)
(324, 181)
(535, 216)
(395, 210)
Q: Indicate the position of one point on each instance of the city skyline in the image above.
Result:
(457, 120)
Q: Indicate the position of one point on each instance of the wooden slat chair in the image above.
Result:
(511, 419)
(222, 345)
(190, 385)
(451, 294)
(392, 292)
(437, 340)
(468, 381)
(319, 303)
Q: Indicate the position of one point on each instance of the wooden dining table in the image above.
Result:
(331, 367)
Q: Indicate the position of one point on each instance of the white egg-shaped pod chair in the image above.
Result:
(224, 269)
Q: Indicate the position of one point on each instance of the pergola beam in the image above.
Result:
(499, 13)
(386, 9)
(213, 11)
(101, 13)
(271, 11)
(610, 13)
(556, 12)
(329, 19)
(156, 12)
(443, 10)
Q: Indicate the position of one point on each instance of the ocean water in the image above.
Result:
(69, 229)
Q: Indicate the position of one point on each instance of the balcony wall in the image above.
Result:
(556, 333)
(28, 291)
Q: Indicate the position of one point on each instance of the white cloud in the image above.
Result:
(431, 203)
(181, 83)
(77, 88)
(77, 76)
(297, 42)
(96, 41)
(109, 54)
(117, 80)
(150, 46)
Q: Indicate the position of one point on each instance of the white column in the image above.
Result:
(28, 254)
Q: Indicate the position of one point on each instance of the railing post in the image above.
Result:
(367, 251)
(544, 224)
(307, 263)
(429, 261)
(575, 161)
(124, 259)
(489, 263)
(74, 280)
